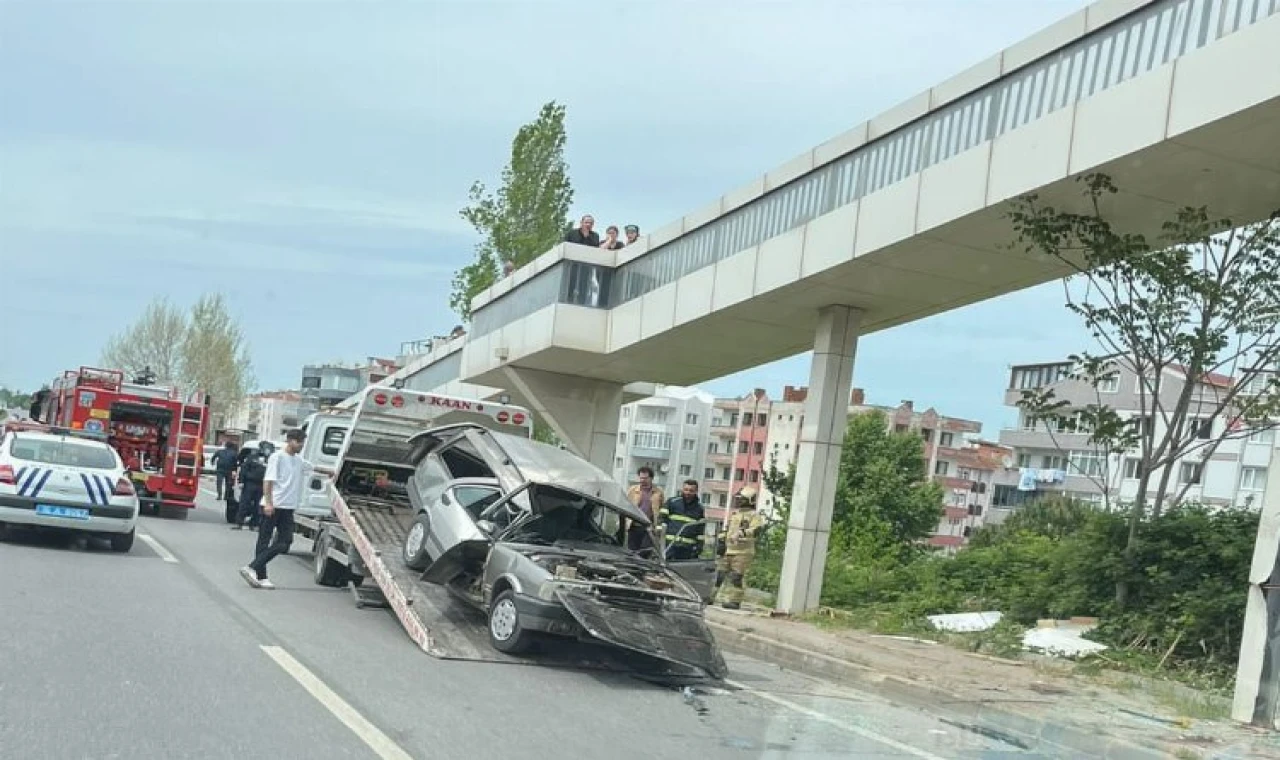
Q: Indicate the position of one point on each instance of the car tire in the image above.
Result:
(414, 549)
(505, 632)
(327, 571)
(122, 542)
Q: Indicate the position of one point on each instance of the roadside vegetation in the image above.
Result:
(1165, 575)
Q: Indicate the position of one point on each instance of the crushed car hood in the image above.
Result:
(661, 632)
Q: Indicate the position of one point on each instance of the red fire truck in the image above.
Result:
(158, 432)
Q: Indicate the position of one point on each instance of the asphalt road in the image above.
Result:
(166, 653)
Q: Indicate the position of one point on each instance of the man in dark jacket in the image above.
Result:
(224, 464)
(583, 234)
(253, 468)
(679, 513)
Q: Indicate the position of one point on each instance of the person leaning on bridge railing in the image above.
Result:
(583, 234)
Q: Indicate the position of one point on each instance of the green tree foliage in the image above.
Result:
(1200, 301)
(201, 349)
(884, 505)
(527, 215)
(12, 399)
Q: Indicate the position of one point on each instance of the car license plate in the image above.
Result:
(50, 510)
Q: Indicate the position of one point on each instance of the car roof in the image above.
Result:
(31, 435)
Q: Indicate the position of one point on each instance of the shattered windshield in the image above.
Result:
(559, 515)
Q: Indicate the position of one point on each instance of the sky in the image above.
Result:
(308, 160)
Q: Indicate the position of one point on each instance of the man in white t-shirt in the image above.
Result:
(282, 489)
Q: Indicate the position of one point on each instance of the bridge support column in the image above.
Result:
(582, 411)
(826, 416)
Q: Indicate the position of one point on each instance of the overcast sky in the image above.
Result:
(308, 159)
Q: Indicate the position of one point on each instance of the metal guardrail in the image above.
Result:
(1130, 46)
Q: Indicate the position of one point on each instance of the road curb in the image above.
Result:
(1090, 741)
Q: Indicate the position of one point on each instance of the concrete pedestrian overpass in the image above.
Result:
(899, 218)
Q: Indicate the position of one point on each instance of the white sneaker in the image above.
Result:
(250, 577)
(264, 583)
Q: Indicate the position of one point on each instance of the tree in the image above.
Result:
(214, 356)
(884, 499)
(1193, 314)
(528, 214)
(11, 399)
(203, 349)
(154, 341)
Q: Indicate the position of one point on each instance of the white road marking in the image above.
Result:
(164, 553)
(860, 731)
(209, 491)
(380, 743)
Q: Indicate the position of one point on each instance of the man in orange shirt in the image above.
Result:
(648, 497)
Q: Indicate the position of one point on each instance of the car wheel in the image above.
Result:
(122, 542)
(414, 550)
(505, 632)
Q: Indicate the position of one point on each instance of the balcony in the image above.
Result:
(715, 484)
(643, 452)
(720, 457)
(949, 483)
(724, 431)
(1043, 439)
(946, 541)
(954, 513)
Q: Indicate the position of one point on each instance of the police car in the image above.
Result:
(51, 478)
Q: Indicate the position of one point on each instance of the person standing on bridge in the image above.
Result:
(584, 234)
(633, 234)
(281, 495)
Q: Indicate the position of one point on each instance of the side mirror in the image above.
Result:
(486, 527)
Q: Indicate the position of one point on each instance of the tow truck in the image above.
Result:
(157, 431)
(356, 510)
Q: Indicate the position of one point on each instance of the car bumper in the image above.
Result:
(19, 510)
(546, 617)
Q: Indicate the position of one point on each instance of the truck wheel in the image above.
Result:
(414, 551)
(122, 542)
(326, 570)
(505, 633)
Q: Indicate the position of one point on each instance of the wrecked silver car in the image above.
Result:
(532, 536)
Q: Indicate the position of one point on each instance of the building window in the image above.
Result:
(1201, 429)
(743, 446)
(755, 476)
(1024, 461)
(1027, 378)
(975, 509)
(1088, 463)
(617, 463)
(691, 419)
(791, 418)
(964, 473)
(926, 434)
(622, 438)
(1132, 468)
(723, 499)
(1109, 384)
(650, 439)
(1265, 435)
(738, 474)
(705, 498)
(1253, 478)
(709, 473)
(759, 447)
(689, 444)
(733, 420)
(724, 475)
(1190, 473)
(941, 468)
(713, 448)
(747, 418)
(1054, 462)
(762, 420)
(626, 412)
(686, 470)
(946, 439)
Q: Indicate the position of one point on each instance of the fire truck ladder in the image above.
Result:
(190, 442)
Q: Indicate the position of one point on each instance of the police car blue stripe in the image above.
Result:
(44, 479)
(31, 478)
(93, 495)
(104, 487)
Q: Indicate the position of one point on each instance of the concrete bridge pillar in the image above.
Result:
(582, 411)
(826, 416)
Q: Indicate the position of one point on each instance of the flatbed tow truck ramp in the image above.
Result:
(369, 516)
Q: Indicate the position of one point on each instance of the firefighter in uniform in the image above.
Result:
(739, 540)
(678, 516)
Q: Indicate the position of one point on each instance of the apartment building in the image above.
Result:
(324, 385)
(735, 454)
(668, 432)
(967, 491)
(267, 415)
(957, 466)
(1049, 461)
